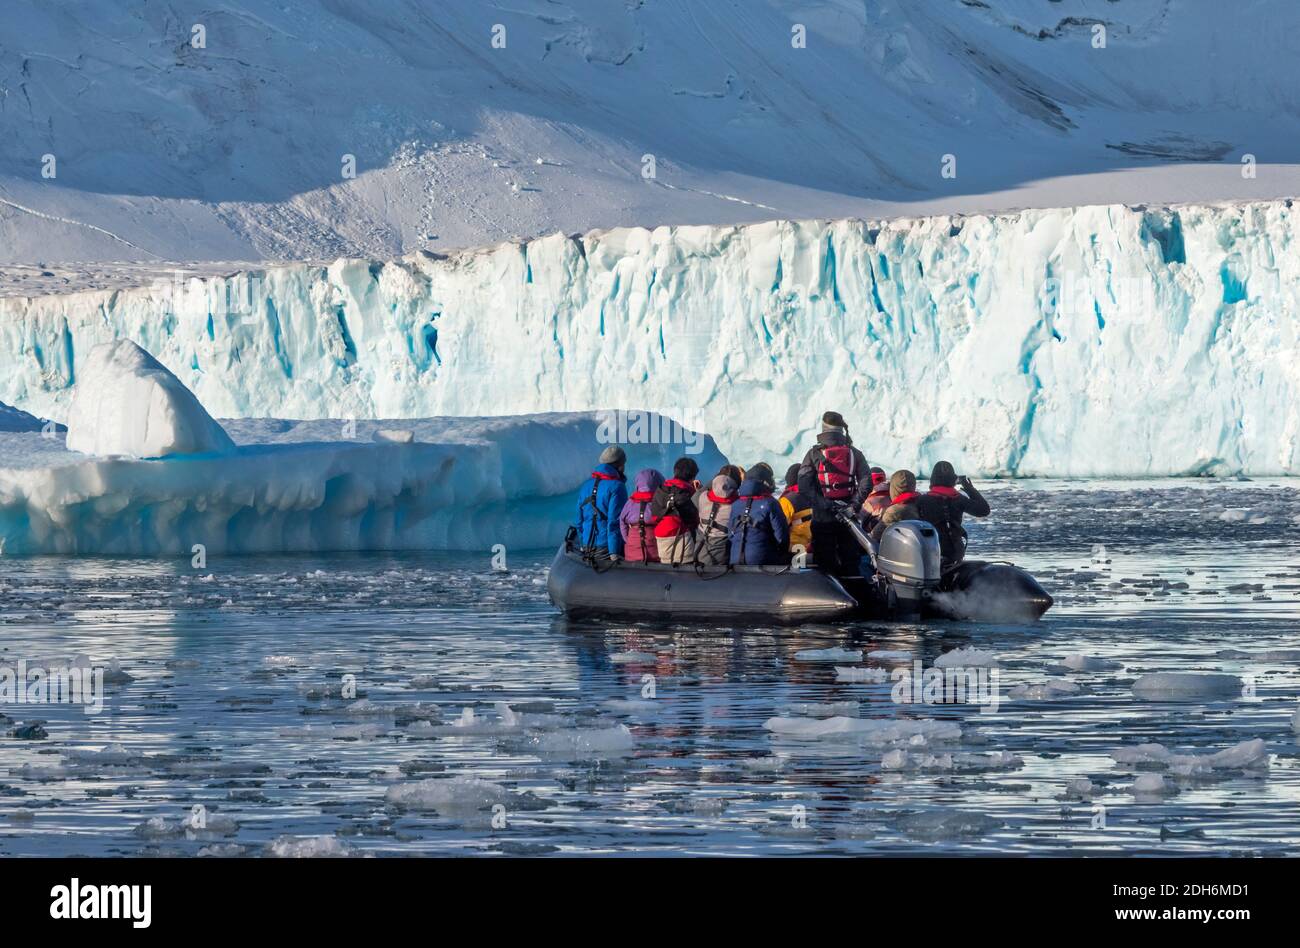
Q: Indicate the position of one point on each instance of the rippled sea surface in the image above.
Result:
(484, 723)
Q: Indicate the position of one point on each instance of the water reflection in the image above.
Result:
(235, 703)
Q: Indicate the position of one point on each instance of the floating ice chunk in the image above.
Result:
(577, 743)
(447, 794)
(1044, 691)
(767, 764)
(890, 655)
(1151, 785)
(110, 755)
(632, 658)
(875, 731)
(394, 436)
(860, 675)
(224, 851)
(281, 661)
(159, 827)
(946, 824)
(1176, 686)
(1080, 787)
(966, 658)
(1088, 663)
(1246, 755)
(1264, 655)
(899, 759)
(308, 847)
(365, 707)
(829, 655)
(1295, 721)
(1234, 515)
(469, 723)
(114, 674)
(709, 806)
(125, 403)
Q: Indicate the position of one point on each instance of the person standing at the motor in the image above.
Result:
(834, 474)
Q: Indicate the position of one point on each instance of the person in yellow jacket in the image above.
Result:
(797, 511)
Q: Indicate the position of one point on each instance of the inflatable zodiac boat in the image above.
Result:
(907, 580)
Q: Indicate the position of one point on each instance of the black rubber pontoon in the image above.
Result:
(780, 594)
(990, 592)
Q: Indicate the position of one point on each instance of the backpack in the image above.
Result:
(837, 472)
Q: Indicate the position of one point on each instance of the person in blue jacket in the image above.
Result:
(600, 500)
(760, 532)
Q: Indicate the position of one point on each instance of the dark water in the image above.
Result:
(234, 704)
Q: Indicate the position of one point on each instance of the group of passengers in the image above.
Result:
(739, 518)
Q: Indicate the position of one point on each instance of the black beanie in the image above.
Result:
(943, 475)
(685, 469)
(792, 475)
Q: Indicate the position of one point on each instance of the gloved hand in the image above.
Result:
(964, 481)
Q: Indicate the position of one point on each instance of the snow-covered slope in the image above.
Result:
(1093, 341)
(236, 150)
(457, 484)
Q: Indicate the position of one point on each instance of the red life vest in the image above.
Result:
(671, 524)
(943, 492)
(837, 472)
(906, 497)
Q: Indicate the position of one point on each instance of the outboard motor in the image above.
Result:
(908, 560)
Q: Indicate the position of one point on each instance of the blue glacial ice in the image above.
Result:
(1089, 341)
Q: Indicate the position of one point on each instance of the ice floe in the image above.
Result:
(1044, 691)
(447, 794)
(1186, 686)
(1247, 755)
(901, 759)
(966, 658)
(828, 655)
(861, 675)
(873, 731)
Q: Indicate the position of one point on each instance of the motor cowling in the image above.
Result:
(908, 557)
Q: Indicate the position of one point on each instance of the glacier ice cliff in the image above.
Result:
(295, 486)
(1091, 341)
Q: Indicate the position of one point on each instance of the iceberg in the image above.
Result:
(291, 486)
(1018, 344)
(126, 404)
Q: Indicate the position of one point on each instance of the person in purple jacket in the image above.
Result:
(760, 532)
(637, 521)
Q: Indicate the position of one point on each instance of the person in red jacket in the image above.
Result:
(678, 516)
(833, 479)
(878, 498)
